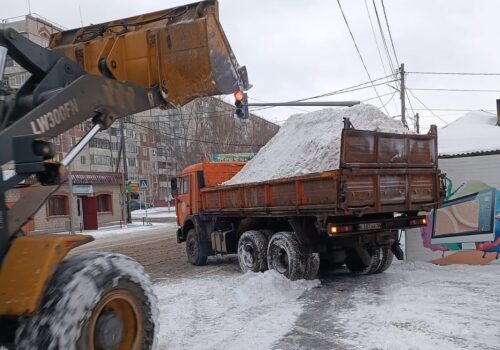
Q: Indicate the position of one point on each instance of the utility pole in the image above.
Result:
(417, 123)
(403, 92)
(71, 197)
(125, 170)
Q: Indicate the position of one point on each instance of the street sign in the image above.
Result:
(143, 184)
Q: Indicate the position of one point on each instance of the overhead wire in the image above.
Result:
(454, 90)
(427, 108)
(456, 73)
(375, 38)
(193, 140)
(359, 53)
(384, 41)
(390, 34)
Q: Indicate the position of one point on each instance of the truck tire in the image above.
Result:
(356, 265)
(252, 251)
(283, 255)
(386, 258)
(193, 250)
(312, 266)
(93, 301)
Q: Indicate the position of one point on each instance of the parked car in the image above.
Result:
(136, 205)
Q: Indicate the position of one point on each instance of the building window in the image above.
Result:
(83, 160)
(132, 162)
(131, 148)
(104, 204)
(145, 151)
(99, 143)
(97, 159)
(58, 205)
(145, 165)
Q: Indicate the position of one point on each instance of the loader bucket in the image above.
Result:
(182, 50)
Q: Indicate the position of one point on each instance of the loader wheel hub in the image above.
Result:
(116, 323)
(109, 331)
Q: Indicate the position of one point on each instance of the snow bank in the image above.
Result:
(310, 143)
(474, 132)
(157, 212)
(115, 230)
(250, 311)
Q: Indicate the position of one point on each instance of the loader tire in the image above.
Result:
(283, 255)
(193, 250)
(93, 301)
(252, 251)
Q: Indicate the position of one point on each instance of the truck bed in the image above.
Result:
(378, 173)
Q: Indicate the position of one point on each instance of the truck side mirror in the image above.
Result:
(173, 187)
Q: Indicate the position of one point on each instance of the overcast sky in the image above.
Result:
(295, 49)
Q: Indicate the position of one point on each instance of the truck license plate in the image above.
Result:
(370, 226)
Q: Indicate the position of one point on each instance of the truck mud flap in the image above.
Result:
(206, 248)
(397, 251)
(180, 237)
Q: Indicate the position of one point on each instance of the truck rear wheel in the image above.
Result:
(312, 266)
(252, 251)
(386, 258)
(94, 301)
(356, 265)
(283, 255)
(193, 250)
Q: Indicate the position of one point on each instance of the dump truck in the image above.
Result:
(349, 216)
(102, 72)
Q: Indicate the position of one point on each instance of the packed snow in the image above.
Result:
(243, 311)
(115, 230)
(157, 212)
(474, 132)
(310, 143)
(415, 306)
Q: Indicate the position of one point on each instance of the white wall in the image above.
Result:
(482, 168)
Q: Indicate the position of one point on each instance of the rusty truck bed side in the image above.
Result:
(379, 172)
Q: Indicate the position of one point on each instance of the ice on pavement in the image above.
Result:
(157, 212)
(250, 311)
(423, 306)
(309, 143)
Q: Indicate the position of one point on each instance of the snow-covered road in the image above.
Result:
(411, 306)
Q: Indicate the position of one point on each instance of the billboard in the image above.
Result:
(465, 229)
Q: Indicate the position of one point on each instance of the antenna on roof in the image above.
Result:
(29, 7)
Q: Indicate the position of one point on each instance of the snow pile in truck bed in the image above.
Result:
(310, 143)
(250, 311)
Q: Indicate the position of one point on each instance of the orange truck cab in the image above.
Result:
(187, 189)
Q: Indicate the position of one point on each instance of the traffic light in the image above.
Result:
(241, 103)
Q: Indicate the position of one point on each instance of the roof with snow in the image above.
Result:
(475, 132)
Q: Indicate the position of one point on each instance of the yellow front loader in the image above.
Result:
(101, 72)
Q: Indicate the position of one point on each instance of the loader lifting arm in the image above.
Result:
(102, 72)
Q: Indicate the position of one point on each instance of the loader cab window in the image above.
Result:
(184, 185)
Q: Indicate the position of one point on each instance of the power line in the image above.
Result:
(375, 38)
(456, 73)
(193, 140)
(384, 41)
(389, 31)
(427, 108)
(458, 90)
(349, 89)
(456, 110)
(359, 53)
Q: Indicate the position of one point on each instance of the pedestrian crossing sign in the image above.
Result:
(143, 184)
